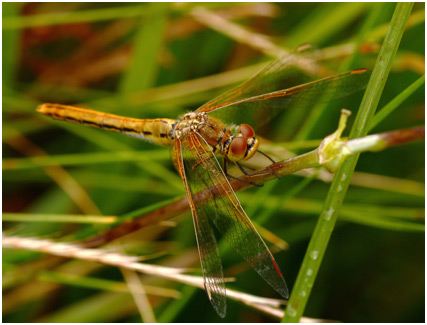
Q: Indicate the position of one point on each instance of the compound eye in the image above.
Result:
(246, 130)
(238, 148)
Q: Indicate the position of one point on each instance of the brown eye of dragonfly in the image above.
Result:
(238, 147)
(246, 130)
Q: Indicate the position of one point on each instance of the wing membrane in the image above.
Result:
(261, 98)
(213, 198)
(208, 249)
(282, 73)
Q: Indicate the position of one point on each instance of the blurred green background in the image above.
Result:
(153, 60)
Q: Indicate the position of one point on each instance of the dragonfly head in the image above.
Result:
(244, 145)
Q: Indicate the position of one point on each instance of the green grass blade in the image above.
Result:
(390, 218)
(321, 110)
(101, 284)
(269, 210)
(73, 17)
(148, 156)
(142, 71)
(109, 142)
(339, 15)
(102, 307)
(395, 102)
(384, 223)
(325, 225)
(176, 306)
(10, 43)
(84, 233)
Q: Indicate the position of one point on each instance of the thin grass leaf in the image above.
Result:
(416, 18)
(384, 223)
(142, 71)
(84, 233)
(349, 212)
(25, 217)
(84, 159)
(139, 296)
(339, 16)
(175, 307)
(108, 142)
(396, 102)
(73, 17)
(10, 44)
(102, 284)
(320, 111)
(104, 307)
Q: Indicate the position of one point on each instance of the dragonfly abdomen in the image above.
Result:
(158, 131)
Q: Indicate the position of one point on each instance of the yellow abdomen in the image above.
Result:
(158, 131)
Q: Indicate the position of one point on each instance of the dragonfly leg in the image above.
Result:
(272, 160)
(267, 156)
(242, 168)
(239, 179)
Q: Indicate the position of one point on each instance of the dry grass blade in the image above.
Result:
(139, 296)
(252, 39)
(220, 24)
(125, 262)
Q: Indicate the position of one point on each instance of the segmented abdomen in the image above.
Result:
(158, 131)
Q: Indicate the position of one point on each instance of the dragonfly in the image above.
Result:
(200, 139)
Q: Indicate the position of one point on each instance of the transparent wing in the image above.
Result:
(282, 73)
(213, 198)
(208, 249)
(273, 89)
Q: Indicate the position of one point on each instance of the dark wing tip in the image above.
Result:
(282, 287)
(285, 292)
(221, 313)
(219, 305)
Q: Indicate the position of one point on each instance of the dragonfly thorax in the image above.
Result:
(190, 122)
